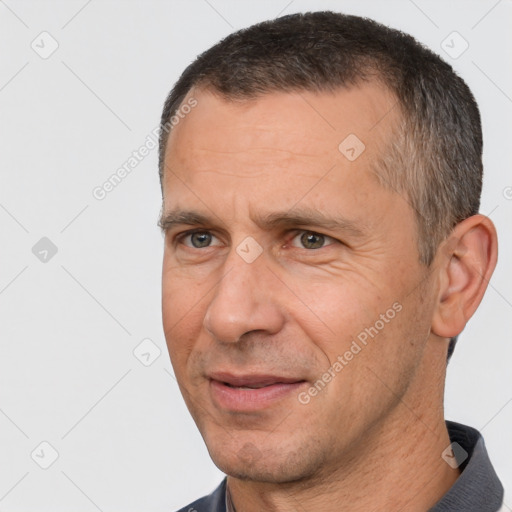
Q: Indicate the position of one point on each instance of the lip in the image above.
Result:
(227, 393)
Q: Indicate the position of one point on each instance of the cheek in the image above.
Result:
(335, 311)
(361, 324)
(183, 304)
(181, 293)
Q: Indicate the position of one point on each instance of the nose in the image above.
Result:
(245, 300)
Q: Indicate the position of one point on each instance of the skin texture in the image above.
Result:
(372, 437)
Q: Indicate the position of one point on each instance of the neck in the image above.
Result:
(397, 465)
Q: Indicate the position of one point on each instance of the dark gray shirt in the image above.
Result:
(478, 488)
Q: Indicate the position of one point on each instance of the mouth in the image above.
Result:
(251, 392)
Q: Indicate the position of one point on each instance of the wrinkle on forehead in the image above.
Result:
(295, 133)
(363, 109)
(262, 150)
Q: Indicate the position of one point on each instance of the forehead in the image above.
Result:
(302, 123)
(269, 152)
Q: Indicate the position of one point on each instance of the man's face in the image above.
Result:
(283, 257)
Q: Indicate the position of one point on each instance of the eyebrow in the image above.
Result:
(182, 217)
(289, 218)
(309, 217)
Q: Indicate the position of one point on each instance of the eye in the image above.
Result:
(311, 240)
(198, 239)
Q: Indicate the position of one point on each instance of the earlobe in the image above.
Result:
(466, 262)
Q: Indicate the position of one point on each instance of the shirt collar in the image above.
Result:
(478, 487)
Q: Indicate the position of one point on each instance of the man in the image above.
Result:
(321, 178)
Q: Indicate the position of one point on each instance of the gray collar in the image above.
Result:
(478, 488)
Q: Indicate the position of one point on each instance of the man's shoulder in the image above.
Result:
(214, 502)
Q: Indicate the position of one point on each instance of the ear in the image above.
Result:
(466, 262)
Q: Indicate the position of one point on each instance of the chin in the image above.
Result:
(270, 464)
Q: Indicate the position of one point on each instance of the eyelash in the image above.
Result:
(328, 239)
(181, 237)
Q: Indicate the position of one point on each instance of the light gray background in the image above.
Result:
(69, 326)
